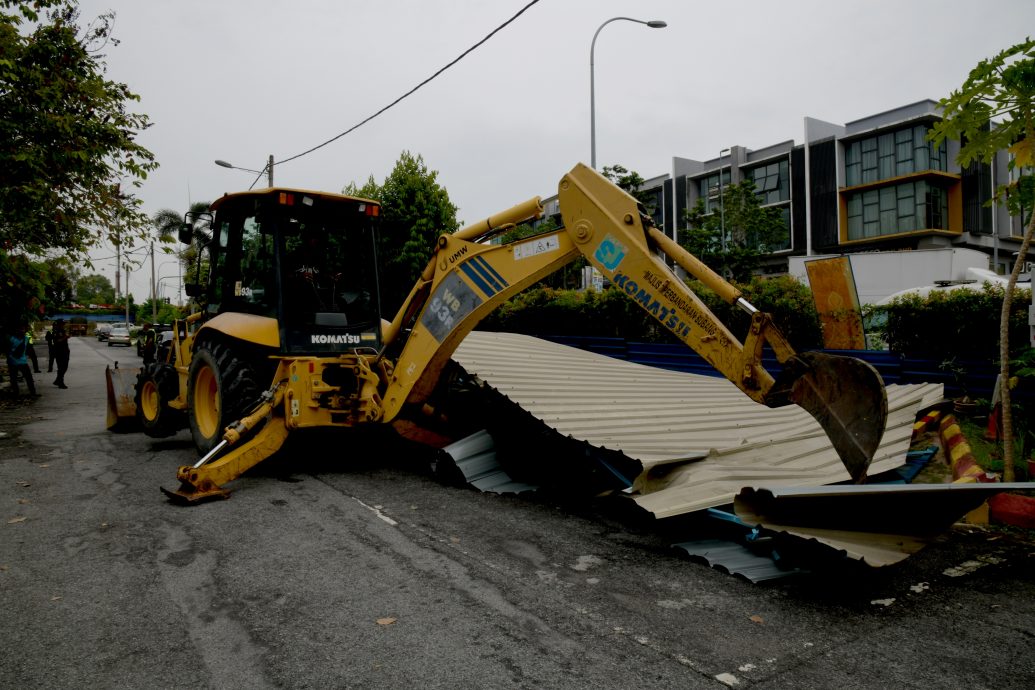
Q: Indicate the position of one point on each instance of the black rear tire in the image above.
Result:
(157, 384)
(223, 386)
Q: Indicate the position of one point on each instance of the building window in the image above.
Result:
(708, 190)
(892, 154)
(772, 182)
(654, 203)
(896, 209)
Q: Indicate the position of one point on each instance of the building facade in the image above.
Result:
(874, 184)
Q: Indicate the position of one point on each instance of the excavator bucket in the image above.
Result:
(122, 410)
(847, 397)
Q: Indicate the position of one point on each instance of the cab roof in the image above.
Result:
(269, 191)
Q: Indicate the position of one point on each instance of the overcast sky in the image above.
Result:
(239, 80)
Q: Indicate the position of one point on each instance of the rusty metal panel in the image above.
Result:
(837, 301)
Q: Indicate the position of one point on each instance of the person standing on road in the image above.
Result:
(50, 350)
(31, 351)
(18, 360)
(59, 343)
(147, 337)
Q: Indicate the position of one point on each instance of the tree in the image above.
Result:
(415, 211)
(69, 159)
(631, 182)
(751, 232)
(995, 110)
(167, 224)
(62, 277)
(95, 289)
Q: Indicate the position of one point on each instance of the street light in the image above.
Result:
(722, 207)
(268, 169)
(654, 24)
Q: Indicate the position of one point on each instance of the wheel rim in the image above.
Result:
(206, 402)
(149, 400)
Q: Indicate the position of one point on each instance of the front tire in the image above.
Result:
(157, 384)
(222, 387)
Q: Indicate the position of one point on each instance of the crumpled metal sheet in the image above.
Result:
(879, 524)
(697, 440)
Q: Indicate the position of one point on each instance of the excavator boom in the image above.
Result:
(467, 279)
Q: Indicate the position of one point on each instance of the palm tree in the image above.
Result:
(167, 223)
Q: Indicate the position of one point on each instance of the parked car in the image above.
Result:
(119, 336)
(102, 331)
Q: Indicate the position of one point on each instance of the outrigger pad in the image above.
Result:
(847, 397)
(188, 495)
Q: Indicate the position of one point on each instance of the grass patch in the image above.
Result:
(989, 454)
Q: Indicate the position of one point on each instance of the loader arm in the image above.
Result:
(466, 279)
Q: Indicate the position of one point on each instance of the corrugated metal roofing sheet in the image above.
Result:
(880, 524)
(698, 439)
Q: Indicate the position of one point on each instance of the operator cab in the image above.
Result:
(306, 259)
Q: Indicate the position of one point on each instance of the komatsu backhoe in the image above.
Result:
(289, 334)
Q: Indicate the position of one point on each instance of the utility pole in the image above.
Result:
(154, 305)
(127, 294)
(269, 171)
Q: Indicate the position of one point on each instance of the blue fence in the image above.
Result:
(973, 378)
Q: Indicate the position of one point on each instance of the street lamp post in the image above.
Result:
(654, 24)
(268, 169)
(722, 208)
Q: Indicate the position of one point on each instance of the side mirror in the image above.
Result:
(186, 233)
(192, 289)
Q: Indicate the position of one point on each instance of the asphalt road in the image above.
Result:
(346, 564)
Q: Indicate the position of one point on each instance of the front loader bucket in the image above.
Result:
(122, 410)
(847, 397)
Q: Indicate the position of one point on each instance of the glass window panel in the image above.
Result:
(887, 198)
(871, 213)
(907, 223)
(871, 229)
(868, 145)
(855, 228)
(853, 154)
(886, 144)
(853, 174)
(923, 159)
(855, 205)
(904, 136)
(919, 136)
(888, 221)
(887, 167)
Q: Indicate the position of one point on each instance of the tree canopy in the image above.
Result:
(415, 211)
(751, 232)
(69, 159)
(994, 110)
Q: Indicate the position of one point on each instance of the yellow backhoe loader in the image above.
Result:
(289, 335)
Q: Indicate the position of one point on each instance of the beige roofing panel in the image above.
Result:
(659, 417)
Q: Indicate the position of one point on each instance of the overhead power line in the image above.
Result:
(414, 89)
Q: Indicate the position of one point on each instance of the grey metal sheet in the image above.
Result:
(474, 457)
(735, 559)
(879, 524)
(698, 439)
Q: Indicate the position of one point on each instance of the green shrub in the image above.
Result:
(546, 311)
(953, 325)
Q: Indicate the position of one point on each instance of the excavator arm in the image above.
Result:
(466, 279)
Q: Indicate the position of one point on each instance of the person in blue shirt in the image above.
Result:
(18, 360)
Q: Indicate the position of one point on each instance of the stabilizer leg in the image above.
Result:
(204, 483)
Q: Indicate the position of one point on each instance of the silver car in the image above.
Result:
(119, 336)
